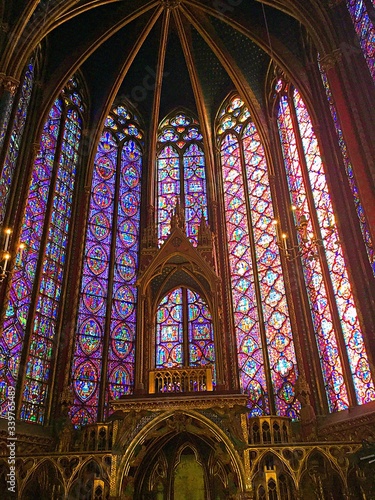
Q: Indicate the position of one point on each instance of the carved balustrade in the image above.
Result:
(177, 380)
(269, 430)
(96, 437)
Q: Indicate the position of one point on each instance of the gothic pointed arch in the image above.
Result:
(316, 241)
(181, 174)
(161, 445)
(189, 462)
(34, 305)
(193, 311)
(12, 140)
(180, 296)
(265, 344)
(44, 479)
(103, 364)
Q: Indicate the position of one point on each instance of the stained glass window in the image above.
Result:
(181, 175)
(41, 271)
(107, 308)
(169, 331)
(307, 175)
(178, 345)
(15, 138)
(365, 29)
(261, 318)
(349, 171)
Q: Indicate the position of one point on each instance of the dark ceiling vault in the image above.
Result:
(160, 54)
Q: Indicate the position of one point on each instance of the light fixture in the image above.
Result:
(309, 244)
(5, 255)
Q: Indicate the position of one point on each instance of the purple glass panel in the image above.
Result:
(365, 30)
(181, 175)
(15, 139)
(17, 312)
(45, 321)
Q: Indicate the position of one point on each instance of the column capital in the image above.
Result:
(9, 83)
(328, 61)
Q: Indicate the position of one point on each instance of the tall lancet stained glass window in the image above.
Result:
(184, 331)
(181, 175)
(103, 365)
(265, 349)
(365, 29)
(350, 173)
(15, 137)
(335, 318)
(45, 231)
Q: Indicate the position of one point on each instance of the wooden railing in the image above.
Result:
(181, 380)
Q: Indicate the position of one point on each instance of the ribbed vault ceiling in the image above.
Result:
(161, 54)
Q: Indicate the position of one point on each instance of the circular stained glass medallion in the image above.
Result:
(102, 195)
(99, 226)
(124, 301)
(128, 233)
(93, 296)
(126, 266)
(129, 204)
(130, 175)
(85, 380)
(122, 342)
(104, 167)
(97, 259)
(90, 336)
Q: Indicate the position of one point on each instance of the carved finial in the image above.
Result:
(178, 217)
(204, 233)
